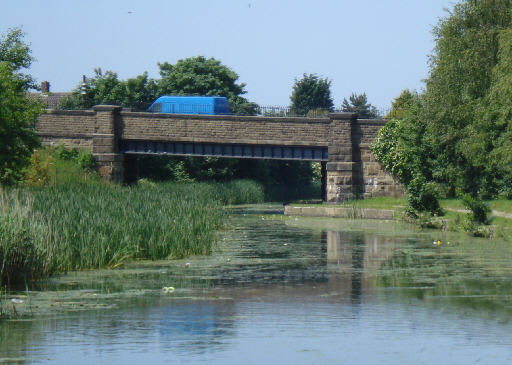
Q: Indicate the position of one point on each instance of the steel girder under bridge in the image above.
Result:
(224, 150)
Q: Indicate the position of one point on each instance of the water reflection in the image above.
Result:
(199, 327)
(276, 292)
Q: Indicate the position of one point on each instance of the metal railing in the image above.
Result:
(285, 111)
(252, 109)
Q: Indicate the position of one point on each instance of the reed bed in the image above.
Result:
(21, 240)
(64, 227)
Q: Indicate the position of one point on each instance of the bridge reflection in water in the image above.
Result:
(341, 270)
(321, 266)
(353, 260)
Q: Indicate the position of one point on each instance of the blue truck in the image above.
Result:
(209, 105)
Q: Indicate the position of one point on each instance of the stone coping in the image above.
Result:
(239, 118)
(70, 112)
(337, 212)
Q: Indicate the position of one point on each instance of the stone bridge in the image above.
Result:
(339, 141)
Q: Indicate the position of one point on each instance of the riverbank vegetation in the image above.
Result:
(17, 112)
(454, 139)
(65, 218)
(459, 215)
(282, 181)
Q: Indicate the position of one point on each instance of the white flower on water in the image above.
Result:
(168, 289)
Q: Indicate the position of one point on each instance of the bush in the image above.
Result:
(422, 196)
(86, 160)
(479, 209)
(40, 170)
(240, 192)
(83, 158)
(54, 166)
(66, 153)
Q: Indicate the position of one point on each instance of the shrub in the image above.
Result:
(240, 192)
(479, 209)
(68, 154)
(422, 196)
(54, 166)
(39, 172)
(86, 160)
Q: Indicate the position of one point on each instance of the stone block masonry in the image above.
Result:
(350, 170)
(70, 128)
(225, 129)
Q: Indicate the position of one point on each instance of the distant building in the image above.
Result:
(49, 99)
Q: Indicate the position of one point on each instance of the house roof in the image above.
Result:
(49, 100)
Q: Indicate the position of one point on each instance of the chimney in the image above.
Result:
(45, 87)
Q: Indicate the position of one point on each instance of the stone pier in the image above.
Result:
(104, 143)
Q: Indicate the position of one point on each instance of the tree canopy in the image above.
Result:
(358, 103)
(204, 76)
(190, 76)
(457, 134)
(309, 93)
(107, 88)
(17, 111)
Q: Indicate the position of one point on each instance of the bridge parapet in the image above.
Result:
(225, 129)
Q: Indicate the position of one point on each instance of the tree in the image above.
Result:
(402, 104)
(190, 76)
(17, 111)
(358, 103)
(310, 93)
(141, 91)
(402, 147)
(461, 120)
(106, 88)
(17, 55)
(204, 77)
(457, 133)
(496, 116)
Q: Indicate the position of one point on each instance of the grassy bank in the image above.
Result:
(455, 218)
(69, 226)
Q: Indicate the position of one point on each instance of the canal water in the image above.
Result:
(280, 290)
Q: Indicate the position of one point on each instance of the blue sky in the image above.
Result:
(375, 46)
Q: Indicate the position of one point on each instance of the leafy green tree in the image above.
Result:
(493, 137)
(358, 103)
(399, 144)
(309, 93)
(190, 76)
(106, 88)
(205, 77)
(402, 104)
(457, 133)
(141, 91)
(17, 55)
(462, 67)
(17, 111)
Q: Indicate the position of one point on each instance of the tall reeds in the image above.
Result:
(64, 227)
(22, 240)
